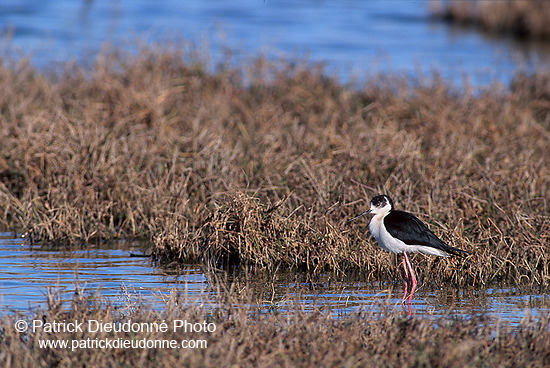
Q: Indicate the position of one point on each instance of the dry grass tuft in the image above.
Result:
(243, 231)
(263, 165)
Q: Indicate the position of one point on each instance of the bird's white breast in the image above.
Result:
(384, 239)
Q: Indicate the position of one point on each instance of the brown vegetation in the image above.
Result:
(246, 337)
(262, 166)
(521, 18)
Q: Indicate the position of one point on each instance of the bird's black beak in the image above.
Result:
(356, 217)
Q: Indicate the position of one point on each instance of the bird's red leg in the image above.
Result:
(412, 276)
(406, 278)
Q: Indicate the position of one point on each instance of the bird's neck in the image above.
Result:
(376, 224)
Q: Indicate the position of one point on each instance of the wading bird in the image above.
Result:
(402, 232)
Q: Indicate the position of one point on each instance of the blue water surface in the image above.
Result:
(355, 39)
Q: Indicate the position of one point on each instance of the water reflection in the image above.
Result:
(345, 298)
(109, 269)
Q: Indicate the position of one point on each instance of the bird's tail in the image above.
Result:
(456, 251)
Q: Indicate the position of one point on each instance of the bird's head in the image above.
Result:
(381, 205)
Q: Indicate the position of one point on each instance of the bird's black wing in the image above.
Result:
(410, 230)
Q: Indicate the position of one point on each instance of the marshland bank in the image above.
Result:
(261, 165)
(526, 19)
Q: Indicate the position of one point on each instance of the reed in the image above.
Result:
(262, 165)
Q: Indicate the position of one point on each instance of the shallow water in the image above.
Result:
(353, 38)
(27, 273)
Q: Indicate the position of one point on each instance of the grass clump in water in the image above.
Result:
(244, 231)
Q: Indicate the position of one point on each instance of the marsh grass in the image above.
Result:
(246, 337)
(520, 18)
(244, 231)
(262, 165)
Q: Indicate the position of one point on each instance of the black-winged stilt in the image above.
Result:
(402, 232)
